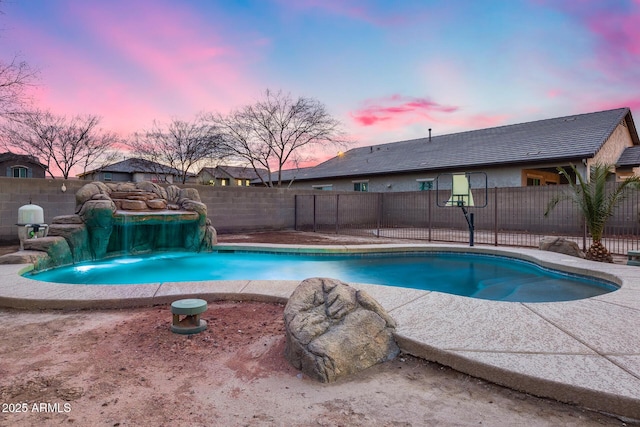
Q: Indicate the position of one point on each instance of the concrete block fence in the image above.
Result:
(231, 209)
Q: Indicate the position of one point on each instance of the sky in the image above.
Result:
(389, 71)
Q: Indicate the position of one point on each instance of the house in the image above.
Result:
(525, 154)
(21, 166)
(133, 170)
(237, 176)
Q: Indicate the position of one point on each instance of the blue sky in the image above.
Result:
(388, 70)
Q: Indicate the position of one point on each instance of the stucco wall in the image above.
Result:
(498, 176)
(615, 145)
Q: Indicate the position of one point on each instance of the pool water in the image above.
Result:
(472, 275)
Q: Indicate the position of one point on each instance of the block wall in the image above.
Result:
(231, 209)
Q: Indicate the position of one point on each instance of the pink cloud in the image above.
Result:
(137, 61)
(633, 103)
(616, 29)
(398, 110)
(554, 93)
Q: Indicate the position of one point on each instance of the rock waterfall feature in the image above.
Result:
(130, 218)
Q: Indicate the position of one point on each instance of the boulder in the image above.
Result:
(173, 194)
(157, 204)
(76, 236)
(98, 217)
(55, 246)
(133, 205)
(560, 245)
(39, 259)
(67, 219)
(334, 330)
(88, 191)
(152, 187)
(189, 193)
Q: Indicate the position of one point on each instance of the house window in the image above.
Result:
(239, 182)
(326, 187)
(361, 186)
(425, 184)
(19, 172)
(224, 182)
(107, 176)
(533, 181)
(247, 182)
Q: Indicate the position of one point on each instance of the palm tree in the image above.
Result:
(595, 203)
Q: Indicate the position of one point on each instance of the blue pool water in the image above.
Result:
(472, 275)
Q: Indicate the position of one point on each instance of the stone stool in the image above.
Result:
(633, 258)
(191, 309)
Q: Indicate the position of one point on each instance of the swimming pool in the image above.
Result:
(473, 275)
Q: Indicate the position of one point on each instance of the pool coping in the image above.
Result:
(584, 352)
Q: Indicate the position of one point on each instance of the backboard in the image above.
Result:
(461, 186)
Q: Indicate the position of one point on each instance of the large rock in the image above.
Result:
(98, 217)
(55, 246)
(39, 259)
(76, 235)
(560, 245)
(89, 191)
(334, 330)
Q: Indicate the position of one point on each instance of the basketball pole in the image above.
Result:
(469, 217)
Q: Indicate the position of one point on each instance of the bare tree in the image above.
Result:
(179, 144)
(15, 78)
(59, 142)
(272, 132)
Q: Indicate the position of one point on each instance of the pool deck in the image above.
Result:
(584, 352)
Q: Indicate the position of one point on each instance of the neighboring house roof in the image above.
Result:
(630, 157)
(13, 157)
(236, 172)
(563, 138)
(135, 165)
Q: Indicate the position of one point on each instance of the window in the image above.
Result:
(533, 182)
(323, 187)
(247, 182)
(224, 182)
(239, 182)
(425, 184)
(19, 172)
(107, 176)
(361, 186)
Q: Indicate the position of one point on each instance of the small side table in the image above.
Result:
(191, 309)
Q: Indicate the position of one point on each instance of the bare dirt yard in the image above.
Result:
(126, 368)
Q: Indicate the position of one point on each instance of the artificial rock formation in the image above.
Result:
(334, 330)
(560, 245)
(134, 217)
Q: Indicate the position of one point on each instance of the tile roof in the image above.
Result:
(563, 138)
(241, 172)
(629, 157)
(135, 165)
(9, 156)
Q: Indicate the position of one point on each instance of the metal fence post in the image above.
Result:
(380, 204)
(337, 211)
(429, 214)
(495, 216)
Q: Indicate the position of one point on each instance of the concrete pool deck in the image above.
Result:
(584, 352)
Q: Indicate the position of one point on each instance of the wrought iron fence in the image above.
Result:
(513, 217)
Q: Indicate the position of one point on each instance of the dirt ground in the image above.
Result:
(126, 368)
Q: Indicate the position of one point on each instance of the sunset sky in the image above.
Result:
(388, 70)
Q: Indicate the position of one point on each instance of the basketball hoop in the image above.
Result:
(461, 194)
